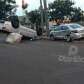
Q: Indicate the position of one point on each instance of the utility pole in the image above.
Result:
(46, 16)
(41, 12)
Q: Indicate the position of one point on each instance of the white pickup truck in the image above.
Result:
(30, 33)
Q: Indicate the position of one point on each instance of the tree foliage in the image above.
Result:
(60, 8)
(34, 17)
(77, 16)
(5, 7)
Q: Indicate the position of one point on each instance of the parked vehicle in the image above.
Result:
(68, 32)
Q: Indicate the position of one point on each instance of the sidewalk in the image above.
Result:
(43, 37)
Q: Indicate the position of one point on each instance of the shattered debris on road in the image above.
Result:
(14, 38)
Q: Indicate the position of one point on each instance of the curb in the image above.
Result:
(43, 38)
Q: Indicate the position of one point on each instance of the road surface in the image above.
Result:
(37, 62)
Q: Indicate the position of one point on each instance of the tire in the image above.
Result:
(68, 38)
(52, 37)
(33, 38)
(15, 21)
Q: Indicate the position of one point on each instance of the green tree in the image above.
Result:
(35, 17)
(5, 7)
(77, 14)
(60, 8)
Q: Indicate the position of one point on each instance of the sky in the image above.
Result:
(34, 4)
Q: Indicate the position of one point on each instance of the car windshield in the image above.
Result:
(75, 26)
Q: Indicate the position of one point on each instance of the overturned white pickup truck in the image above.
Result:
(27, 32)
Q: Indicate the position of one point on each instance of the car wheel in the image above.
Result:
(52, 37)
(33, 38)
(68, 38)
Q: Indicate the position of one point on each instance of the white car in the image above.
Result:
(22, 30)
(68, 32)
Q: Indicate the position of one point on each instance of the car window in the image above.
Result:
(64, 28)
(52, 27)
(57, 29)
(75, 26)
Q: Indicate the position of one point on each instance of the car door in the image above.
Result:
(63, 31)
(57, 32)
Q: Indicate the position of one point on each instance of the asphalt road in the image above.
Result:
(37, 62)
